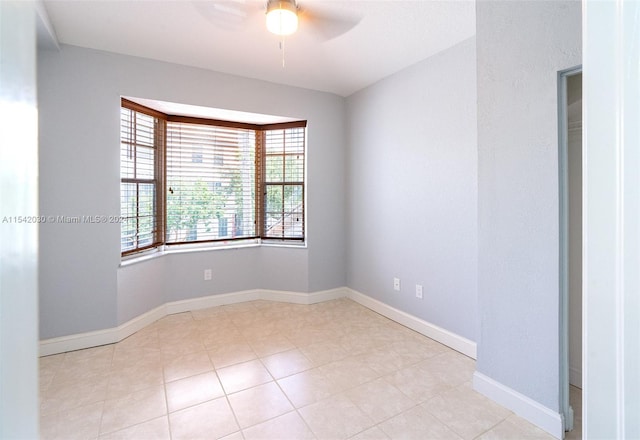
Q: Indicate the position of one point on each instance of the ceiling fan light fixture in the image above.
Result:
(282, 17)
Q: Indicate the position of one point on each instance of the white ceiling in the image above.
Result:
(381, 38)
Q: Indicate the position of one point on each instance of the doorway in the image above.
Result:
(570, 184)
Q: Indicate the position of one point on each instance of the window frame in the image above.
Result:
(283, 183)
(160, 233)
(157, 181)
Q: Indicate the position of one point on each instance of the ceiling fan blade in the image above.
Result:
(325, 25)
(230, 15)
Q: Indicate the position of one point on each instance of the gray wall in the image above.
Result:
(82, 287)
(520, 47)
(412, 194)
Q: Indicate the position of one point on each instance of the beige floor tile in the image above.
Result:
(374, 433)
(242, 376)
(266, 345)
(72, 394)
(217, 313)
(84, 364)
(78, 423)
(245, 319)
(358, 343)
(241, 307)
(215, 337)
(175, 320)
(133, 409)
(209, 420)
(145, 338)
(95, 355)
(126, 357)
(259, 404)
(187, 365)
(415, 349)
(324, 352)
(451, 367)
(418, 383)
(229, 354)
(304, 335)
(155, 429)
(307, 387)
(123, 381)
(379, 400)
(235, 436)
(336, 417)
(48, 367)
(515, 427)
(193, 390)
(382, 360)
(187, 344)
(260, 326)
(286, 363)
(348, 373)
(287, 426)
(417, 424)
(466, 411)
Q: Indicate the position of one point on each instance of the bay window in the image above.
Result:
(193, 180)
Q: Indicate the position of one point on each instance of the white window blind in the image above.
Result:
(210, 183)
(140, 160)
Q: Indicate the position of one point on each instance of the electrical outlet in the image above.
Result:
(418, 291)
(396, 284)
(207, 274)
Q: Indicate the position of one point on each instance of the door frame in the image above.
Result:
(566, 410)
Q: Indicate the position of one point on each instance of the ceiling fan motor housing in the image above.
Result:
(282, 17)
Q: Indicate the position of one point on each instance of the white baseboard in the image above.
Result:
(575, 377)
(112, 335)
(456, 342)
(529, 409)
(101, 337)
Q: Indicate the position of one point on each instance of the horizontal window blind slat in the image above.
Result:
(210, 183)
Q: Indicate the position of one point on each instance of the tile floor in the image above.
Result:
(269, 370)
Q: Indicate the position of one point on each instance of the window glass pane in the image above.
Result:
(284, 214)
(294, 140)
(145, 163)
(128, 200)
(127, 163)
(212, 198)
(292, 198)
(127, 234)
(294, 168)
(275, 141)
(274, 168)
(293, 225)
(274, 198)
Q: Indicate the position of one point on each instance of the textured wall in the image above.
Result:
(412, 175)
(520, 47)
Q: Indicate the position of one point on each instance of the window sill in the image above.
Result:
(205, 247)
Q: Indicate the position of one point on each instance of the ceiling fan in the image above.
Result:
(282, 17)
